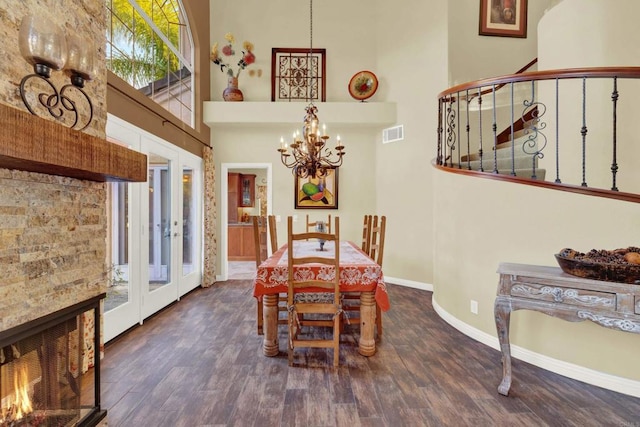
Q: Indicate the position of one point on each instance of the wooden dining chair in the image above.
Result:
(259, 229)
(260, 238)
(273, 233)
(311, 225)
(260, 241)
(366, 233)
(376, 252)
(325, 306)
(375, 228)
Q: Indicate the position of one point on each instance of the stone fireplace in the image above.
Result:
(53, 230)
(42, 382)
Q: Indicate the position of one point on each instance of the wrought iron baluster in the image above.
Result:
(583, 132)
(458, 127)
(557, 132)
(494, 127)
(451, 131)
(480, 125)
(513, 139)
(439, 159)
(468, 129)
(537, 140)
(614, 164)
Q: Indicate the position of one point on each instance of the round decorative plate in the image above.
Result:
(363, 85)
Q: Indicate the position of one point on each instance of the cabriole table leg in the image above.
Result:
(502, 312)
(270, 324)
(367, 345)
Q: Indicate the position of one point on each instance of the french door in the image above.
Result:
(155, 243)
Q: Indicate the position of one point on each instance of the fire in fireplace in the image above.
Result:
(42, 382)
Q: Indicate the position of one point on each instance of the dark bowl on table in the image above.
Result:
(609, 272)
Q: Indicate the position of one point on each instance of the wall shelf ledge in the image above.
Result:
(344, 114)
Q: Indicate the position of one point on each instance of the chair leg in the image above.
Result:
(292, 335)
(259, 318)
(379, 321)
(336, 340)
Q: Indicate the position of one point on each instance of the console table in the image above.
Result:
(551, 291)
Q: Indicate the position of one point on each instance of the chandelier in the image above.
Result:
(308, 155)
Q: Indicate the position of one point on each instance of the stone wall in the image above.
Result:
(52, 229)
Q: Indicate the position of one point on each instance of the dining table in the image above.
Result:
(358, 274)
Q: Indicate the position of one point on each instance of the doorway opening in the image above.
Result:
(237, 208)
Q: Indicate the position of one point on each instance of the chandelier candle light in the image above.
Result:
(311, 158)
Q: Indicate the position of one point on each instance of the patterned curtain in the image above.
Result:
(210, 241)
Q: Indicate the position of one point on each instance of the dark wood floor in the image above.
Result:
(200, 363)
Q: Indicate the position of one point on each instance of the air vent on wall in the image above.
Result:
(393, 134)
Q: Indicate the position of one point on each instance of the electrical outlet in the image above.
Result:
(295, 218)
(278, 218)
(474, 307)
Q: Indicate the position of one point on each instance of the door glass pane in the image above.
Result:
(159, 222)
(118, 290)
(188, 212)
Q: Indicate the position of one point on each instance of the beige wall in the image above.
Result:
(532, 226)
(349, 49)
(500, 55)
(400, 45)
(480, 223)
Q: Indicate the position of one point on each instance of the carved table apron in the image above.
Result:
(551, 291)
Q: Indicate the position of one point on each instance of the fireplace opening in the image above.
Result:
(50, 369)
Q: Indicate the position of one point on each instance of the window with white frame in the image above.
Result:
(149, 45)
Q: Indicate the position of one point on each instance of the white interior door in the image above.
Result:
(190, 236)
(155, 247)
(160, 208)
(122, 306)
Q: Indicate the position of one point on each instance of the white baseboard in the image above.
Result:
(409, 283)
(569, 370)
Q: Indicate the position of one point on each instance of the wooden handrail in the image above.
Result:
(565, 73)
(450, 139)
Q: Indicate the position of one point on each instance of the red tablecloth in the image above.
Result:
(358, 272)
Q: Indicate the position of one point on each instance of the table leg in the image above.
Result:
(270, 324)
(367, 345)
(502, 312)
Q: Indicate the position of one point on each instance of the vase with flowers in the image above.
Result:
(232, 93)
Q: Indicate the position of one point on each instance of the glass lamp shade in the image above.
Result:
(41, 43)
(80, 60)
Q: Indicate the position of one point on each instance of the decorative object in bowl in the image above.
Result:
(618, 265)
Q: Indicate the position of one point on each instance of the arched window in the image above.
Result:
(149, 45)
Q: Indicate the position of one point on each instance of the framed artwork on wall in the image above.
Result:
(317, 192)
(298, 74)
(503, 18)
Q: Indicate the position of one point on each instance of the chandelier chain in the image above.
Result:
(310, 59)
(309, 156)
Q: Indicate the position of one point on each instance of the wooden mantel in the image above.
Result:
(34, 144)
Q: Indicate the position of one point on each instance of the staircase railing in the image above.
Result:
(573, 128)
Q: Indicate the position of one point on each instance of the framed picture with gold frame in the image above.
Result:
(503, 18)
(317, 192)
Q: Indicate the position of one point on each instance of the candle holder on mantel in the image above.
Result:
(44, 46)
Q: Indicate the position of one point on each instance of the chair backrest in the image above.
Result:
(331, 258)
(273, 233)
(311, 224)
(366, 233)
(376, 249)
(260, 238)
